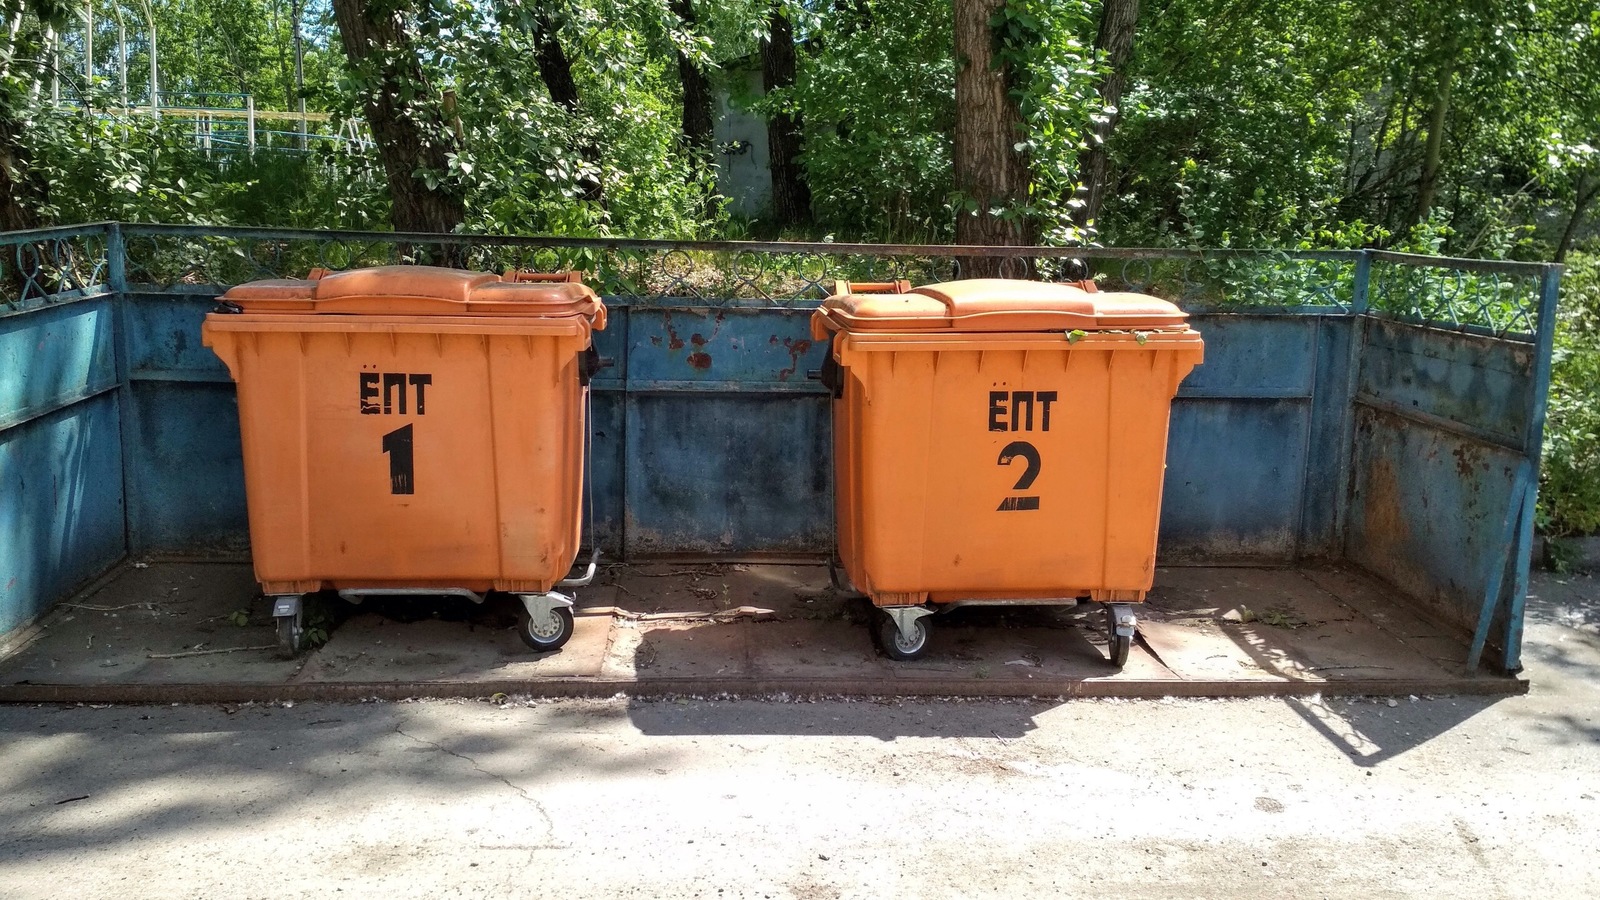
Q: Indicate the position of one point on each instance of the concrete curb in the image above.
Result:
(589, 688)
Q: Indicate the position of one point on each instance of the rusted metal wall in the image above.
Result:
(61, 496)
(1441, 426)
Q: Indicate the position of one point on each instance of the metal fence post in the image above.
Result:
(1539, 404)
(1363, 279)
(127, 418)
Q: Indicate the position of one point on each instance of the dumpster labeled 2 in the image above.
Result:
(413, 430)
(1000, 441)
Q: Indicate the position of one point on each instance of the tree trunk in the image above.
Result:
(15, 190)
(989, 170)
(376, 43)
(1587, 189)
(696, 91)
(1428, 181)
(555, 69)
(1114, 42)
(791, 196)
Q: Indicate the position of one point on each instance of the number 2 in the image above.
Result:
(402, 469)
(1029, 454)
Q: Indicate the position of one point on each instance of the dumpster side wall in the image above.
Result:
(1440, 424)
(61, 490)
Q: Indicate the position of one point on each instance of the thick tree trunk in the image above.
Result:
(1114, 42)
(555, 69)
(376, 43)
(791, 196)
(696, 91)
(989, 170)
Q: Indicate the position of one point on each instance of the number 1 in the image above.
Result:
(402, 471)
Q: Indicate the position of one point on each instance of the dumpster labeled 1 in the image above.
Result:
(1000, 441)
(414, 430)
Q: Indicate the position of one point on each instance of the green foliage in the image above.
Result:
(1233, 127)
(138, 169)
(1284, 123)
(878, 102)
(135, 169)
(1569, 493)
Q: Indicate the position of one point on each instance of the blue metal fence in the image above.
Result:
(1380, 408)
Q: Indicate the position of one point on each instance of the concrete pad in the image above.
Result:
(371, 648)
(693, 650)
(677, 628)
(806, 648)
(1281, 623)
(205, 610)
(1394, 613)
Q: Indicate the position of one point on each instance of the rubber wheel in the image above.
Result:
(1119, 650)
(1116, 645)
(291, 636)
(899, 648)
(553, 637)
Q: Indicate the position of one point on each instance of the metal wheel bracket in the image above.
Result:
(905, 618)
(1123, 619)
(286, 606)
(542, 607)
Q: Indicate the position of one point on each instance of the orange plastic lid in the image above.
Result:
(420, 291)
(1001, 304)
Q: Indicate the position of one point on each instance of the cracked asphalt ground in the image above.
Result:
(785, 798)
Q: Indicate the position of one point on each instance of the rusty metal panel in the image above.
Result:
(185, 468)
(1236, 472)
(1479, 383)
(728, 475)
(607, 469)
(727, 449)
(1327, 484)
(727, 349)
(1426, 510)
(54, 356)
(61, 503)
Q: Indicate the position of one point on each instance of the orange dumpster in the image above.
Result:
(1000, 441)
(411, 429)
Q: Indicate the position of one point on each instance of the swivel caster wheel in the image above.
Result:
(288, 614)
(903, 632)
(1120, 627)
(546, 621)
